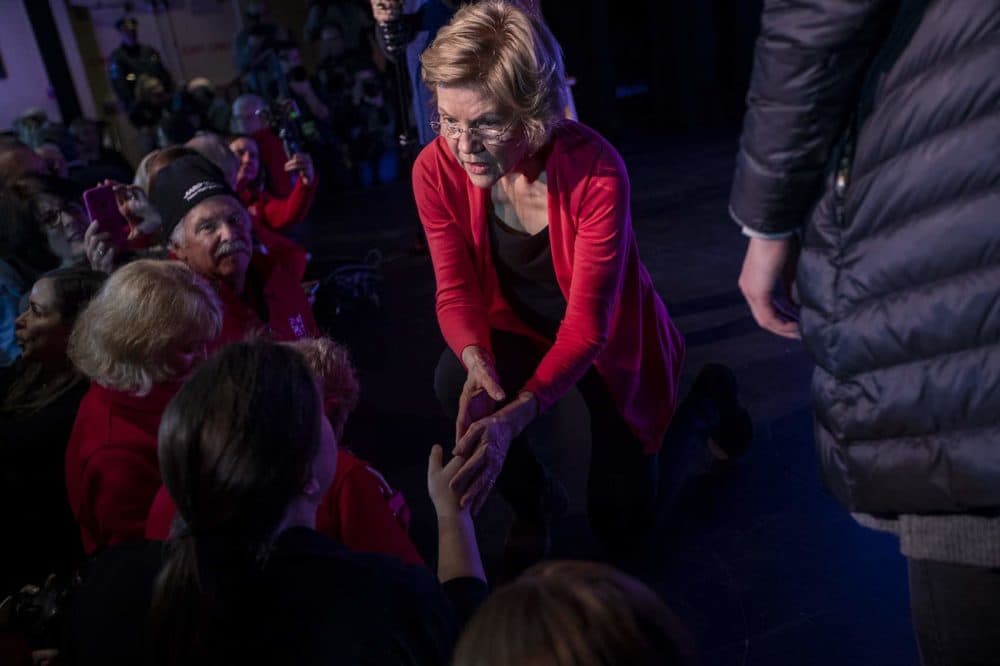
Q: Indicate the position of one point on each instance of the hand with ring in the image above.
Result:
(98, 249)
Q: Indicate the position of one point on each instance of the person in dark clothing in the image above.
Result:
(43, 225)
(130, 61)
(94, 163)
(41, 393)
(247, 454)
(872, 134)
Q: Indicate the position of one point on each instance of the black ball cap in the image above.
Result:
(182, 185)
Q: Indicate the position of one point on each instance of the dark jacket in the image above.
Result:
(899, 276)
(127, 63)
(40, 536)
(315, 602)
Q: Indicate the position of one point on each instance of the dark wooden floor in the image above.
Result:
(761, 563)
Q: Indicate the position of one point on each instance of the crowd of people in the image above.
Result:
(177, 488)
(180, 414)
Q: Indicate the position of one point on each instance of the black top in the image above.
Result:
(40, 535)
(315, 603)
(527, 277)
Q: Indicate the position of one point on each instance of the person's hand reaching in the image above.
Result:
(439, 477)
(484, 447)
(303, 164)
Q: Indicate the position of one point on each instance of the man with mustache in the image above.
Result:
(209, 230)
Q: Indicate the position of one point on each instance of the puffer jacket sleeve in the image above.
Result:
(808, 69)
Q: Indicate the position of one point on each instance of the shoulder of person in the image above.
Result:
(435, 166)
(328, 564)
(582, 147)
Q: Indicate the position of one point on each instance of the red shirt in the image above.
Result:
(280, 212)
(614, 318)
(112, 473)
(270, 213)
(360, 510)
(284, 251)
(271, 287)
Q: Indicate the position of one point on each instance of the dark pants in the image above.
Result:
(622, 499)
(956, 613)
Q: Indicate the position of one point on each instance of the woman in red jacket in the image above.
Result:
(137, 340)
(540, 288)
(275, 212)
(360, 509)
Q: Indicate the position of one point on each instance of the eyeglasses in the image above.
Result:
(489, 136)
(53, 220)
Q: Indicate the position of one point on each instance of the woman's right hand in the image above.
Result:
(481, 393)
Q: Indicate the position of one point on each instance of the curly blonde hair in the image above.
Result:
(331, 363)
(146, 314)
(510, 54)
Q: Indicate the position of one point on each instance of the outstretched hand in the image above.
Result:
(439, 477)
(767, 264)
(484, 447)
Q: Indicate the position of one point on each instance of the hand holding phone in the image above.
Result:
(102, 208)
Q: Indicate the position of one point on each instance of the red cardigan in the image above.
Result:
(112, 472)
(360, 510)
(614, 318)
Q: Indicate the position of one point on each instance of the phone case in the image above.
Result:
(102, 207)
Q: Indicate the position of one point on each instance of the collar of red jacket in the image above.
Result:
(154, 401)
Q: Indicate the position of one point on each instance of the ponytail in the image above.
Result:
(236, 446)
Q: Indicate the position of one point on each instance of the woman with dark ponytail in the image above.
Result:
(247, 454)
(243, 454)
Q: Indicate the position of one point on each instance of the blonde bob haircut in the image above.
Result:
(573, 613)
(147, 314)
(510, 54)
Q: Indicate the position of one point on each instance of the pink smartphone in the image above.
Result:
(102, 207)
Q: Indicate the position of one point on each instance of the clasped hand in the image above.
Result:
(482, 433)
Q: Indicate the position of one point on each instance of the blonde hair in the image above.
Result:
(147, 312)
(334, 370)
(511, 55)
(565, 613)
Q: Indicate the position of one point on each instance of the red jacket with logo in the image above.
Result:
(112, 473)
(273, 290)
(360, 510)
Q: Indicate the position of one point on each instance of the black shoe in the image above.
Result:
(731, 430)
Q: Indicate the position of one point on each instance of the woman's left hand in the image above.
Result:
(302, 163)
(485, 445)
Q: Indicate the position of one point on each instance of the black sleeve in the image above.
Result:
(807, 72)
(108, 612)
(466, 595)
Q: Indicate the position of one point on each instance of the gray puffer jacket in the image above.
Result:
(875, 127)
